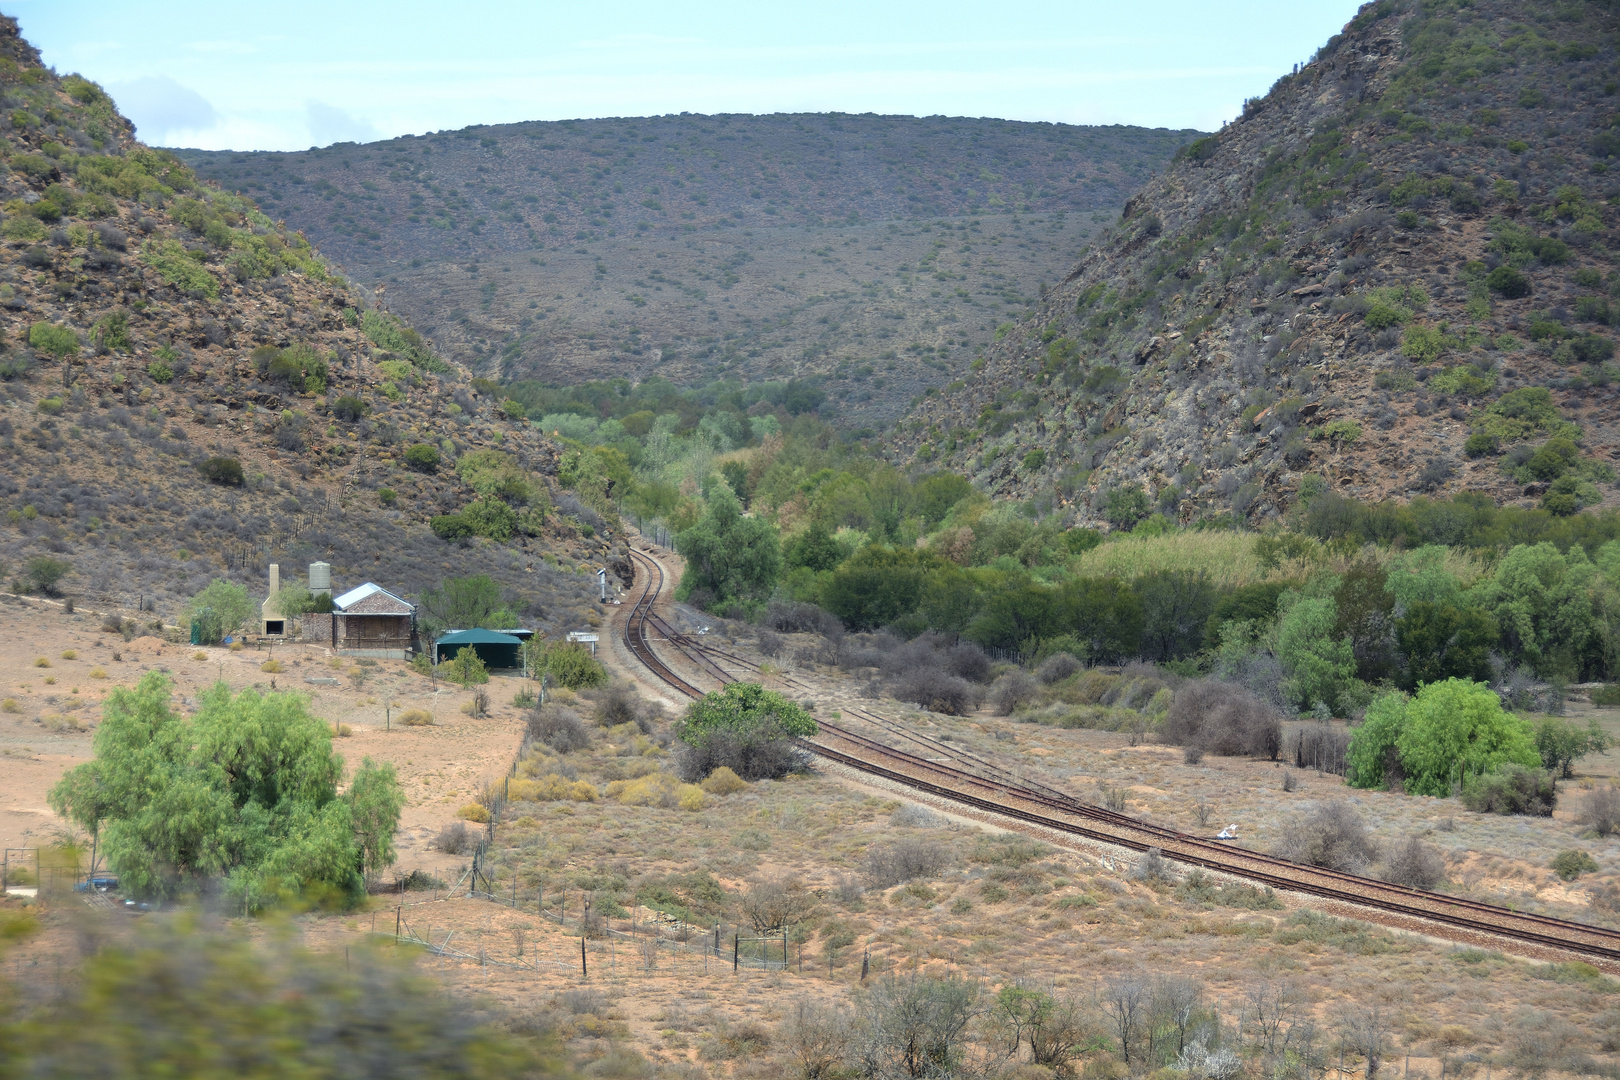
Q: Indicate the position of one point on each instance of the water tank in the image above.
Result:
(320, 578)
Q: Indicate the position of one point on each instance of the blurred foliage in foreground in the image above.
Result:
(185, 1003)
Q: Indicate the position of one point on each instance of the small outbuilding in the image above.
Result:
(495, 649)
(371, 621)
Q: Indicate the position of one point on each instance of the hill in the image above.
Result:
(877, 252)
(1393, 275)
(188, 391)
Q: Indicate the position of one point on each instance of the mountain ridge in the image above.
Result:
(1315, 290)
(701, 247)
(188, 391)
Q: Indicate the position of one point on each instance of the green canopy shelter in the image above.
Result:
(494, 649)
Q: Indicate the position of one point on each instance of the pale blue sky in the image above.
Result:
(285, 76)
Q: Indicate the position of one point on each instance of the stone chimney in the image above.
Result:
(275, 578)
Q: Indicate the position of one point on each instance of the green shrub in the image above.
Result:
(465, 668)
(176, 267)
(159, 372)
(387, 496)
(1508, 282)
(1513, 789)
(422, 458)
(349, 407)
(1480, 444)
(52, 340)
(1035, 459)
(1571, 864)
(221, 470)
(569, 664)
(1607, 696)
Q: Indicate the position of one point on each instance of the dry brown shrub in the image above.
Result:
(1223, 719)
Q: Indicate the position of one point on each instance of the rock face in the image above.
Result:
(1343, 283)
(150, 323)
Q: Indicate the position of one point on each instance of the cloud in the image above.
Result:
(162, 108)
(329, 124)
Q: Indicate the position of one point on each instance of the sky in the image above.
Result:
(296, 74)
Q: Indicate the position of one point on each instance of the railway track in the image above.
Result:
(990, 789)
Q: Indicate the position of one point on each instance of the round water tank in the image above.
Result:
(320, 577)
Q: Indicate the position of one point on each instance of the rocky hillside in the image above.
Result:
(1392, 276)
(188, 391)
(766, 247)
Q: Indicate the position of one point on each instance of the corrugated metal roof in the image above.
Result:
(354, 602)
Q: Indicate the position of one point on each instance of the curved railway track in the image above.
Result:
(990, 789)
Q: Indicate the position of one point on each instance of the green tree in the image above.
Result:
(467, 603)
(46, 573)
(877, 585)
(222, 607)
(1366, 616)
(245, 789)
(1319, 664)
(1373, 757)
(1176, 605)
(813, 549)
(465, 668)
(1542, 602)
(1457, 728)
(1562, 743)
(1126, 506)
(731, 558)
(1420, 576)
(1441, 642)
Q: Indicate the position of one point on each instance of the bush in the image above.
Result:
(465, 669)
(422, 458)
(745, 727)
(904, 860)
(571, 665)
(617, 705)
(416, 718)
(1056, 668)
(1224, 719)
(1600, 811)
(46, 573)
(559, 728)
(935, 690)
(1331, 835)
(58, 341)
(221, 470)
(159, 372)
(967, 661)
(1153, 868)
(1010, 691)
(474, 812)
(349, 408)
(1508, 282)
(453, 839)
(1571, 864)
(1512, 789)
(723, 781)
(1416, 865)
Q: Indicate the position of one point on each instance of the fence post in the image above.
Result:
(584, 970)
(398, 911)
(735, 940)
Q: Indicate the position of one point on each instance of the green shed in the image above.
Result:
(496, 650)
